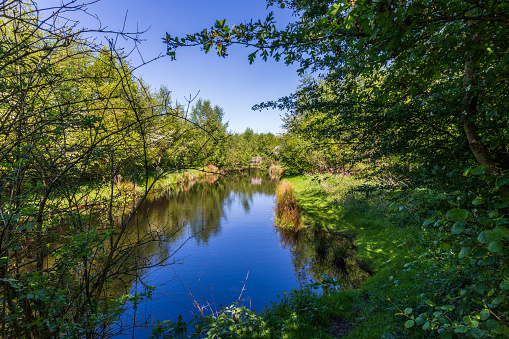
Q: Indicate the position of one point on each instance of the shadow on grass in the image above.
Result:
(384, 243)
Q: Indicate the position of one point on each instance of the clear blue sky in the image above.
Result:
(231, 82)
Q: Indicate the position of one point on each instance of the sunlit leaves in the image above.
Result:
(394, 92)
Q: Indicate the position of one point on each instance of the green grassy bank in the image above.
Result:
(385, 243)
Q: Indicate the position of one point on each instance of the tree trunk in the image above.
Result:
(479, 150)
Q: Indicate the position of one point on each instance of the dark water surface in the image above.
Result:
(226, 239)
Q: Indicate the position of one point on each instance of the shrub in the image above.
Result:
(467, 265)
(275, 171)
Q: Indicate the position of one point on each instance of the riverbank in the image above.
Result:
(385, 243)
(420, 285)
(124, 193)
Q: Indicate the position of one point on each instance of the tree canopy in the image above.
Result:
(420, 76)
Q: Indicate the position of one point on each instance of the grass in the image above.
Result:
(287, 211)
(331, 204)
(384, 242)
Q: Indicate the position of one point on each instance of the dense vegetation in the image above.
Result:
(82, 141)
(413, 95)
(412, 98)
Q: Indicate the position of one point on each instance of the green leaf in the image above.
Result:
(457, 214)
(335, 9)
(478, 201)
(478, 170)
(421, 319)
(464, 252)
(408, 311)
(502, 231)
(409, 323)
(487, 236)
(504, 285)
(502, 181)
(485, 314)
(495, 246)
(428, 222)
(458, 229)
(448, 308)
(461, 329)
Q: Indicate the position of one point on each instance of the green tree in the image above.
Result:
(420, 87)
(210, 139)
(430, 76)
(73, 121)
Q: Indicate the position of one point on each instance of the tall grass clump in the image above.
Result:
(275, 171)
(288, 214)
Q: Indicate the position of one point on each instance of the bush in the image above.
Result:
(467, 265)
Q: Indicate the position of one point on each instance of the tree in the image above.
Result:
(210, 139)
(397, 58)
(75, 128)
(421, 86)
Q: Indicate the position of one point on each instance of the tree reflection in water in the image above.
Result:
(191, 212)
(316, 252)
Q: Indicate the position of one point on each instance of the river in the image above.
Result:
(223, 247)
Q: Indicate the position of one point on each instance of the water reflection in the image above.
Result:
(316, 252)
(188, 215)
(200, 207)
(227, 226)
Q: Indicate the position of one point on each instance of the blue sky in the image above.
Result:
(231, 82)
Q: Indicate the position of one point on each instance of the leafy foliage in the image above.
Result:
(77, 130)
(295, 315)
(416, 80)
(468, 266)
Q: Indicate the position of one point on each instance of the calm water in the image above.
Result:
(221, 239)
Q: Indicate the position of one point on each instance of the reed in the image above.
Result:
(288, 214)
(275, 171)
